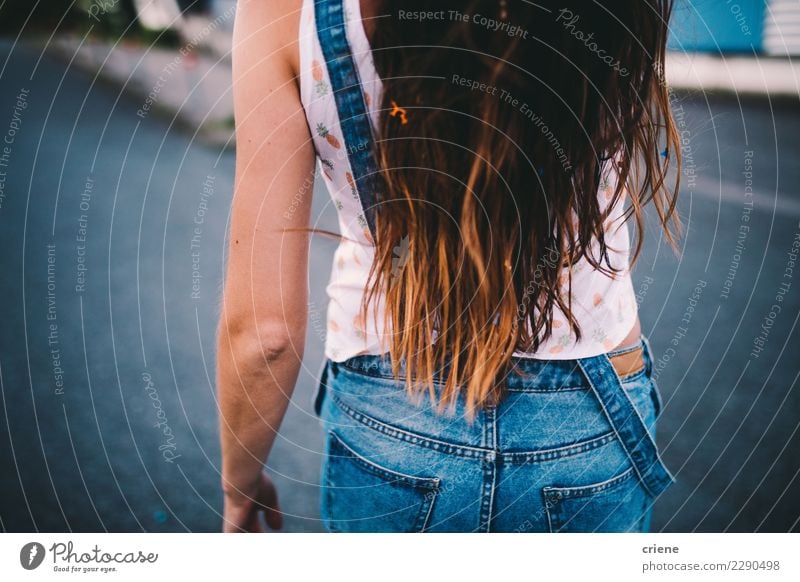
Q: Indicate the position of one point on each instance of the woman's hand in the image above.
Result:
(241, 513)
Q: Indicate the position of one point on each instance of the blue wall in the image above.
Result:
(717, 25)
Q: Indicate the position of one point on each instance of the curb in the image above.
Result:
(97, 59)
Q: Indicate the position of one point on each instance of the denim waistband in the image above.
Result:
(525, 374)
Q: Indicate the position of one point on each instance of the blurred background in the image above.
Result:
(116, 174)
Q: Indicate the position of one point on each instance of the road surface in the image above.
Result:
(112, 233)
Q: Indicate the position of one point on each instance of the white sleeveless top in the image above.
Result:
(604, 307)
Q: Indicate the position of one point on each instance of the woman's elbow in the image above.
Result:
(259, 345)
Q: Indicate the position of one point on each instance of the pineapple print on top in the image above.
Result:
(320, 86)
(325, 133)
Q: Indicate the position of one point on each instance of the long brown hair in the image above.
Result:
(497, 119)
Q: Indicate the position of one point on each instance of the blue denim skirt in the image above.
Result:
(570, 448)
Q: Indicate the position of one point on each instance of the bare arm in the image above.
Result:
(263, 322)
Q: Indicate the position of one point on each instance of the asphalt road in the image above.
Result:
(103, 315)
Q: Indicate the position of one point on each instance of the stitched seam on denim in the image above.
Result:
(489, 469)
(559, 453)
(614, 428)
(366, 371)
(431, 483)
(624, 445)
(427, 499)
(632, 376)
(547, 390)
(588, 490)
(498, 459)
(370, 372)
(473, 452)
(549, 521)
(326, 481)
(339, 61)
(403, 435)
(648, 438)
(670, 477)
(380, 376)
(625, 350)
(658, 402)
(428, 513)
(489, 476)
(646, 504)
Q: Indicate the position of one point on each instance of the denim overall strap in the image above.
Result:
(627, 423)
(353, 116)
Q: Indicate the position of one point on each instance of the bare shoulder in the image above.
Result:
(271, 26)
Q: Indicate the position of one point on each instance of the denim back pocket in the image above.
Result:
(618, 504)
(360, 495)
